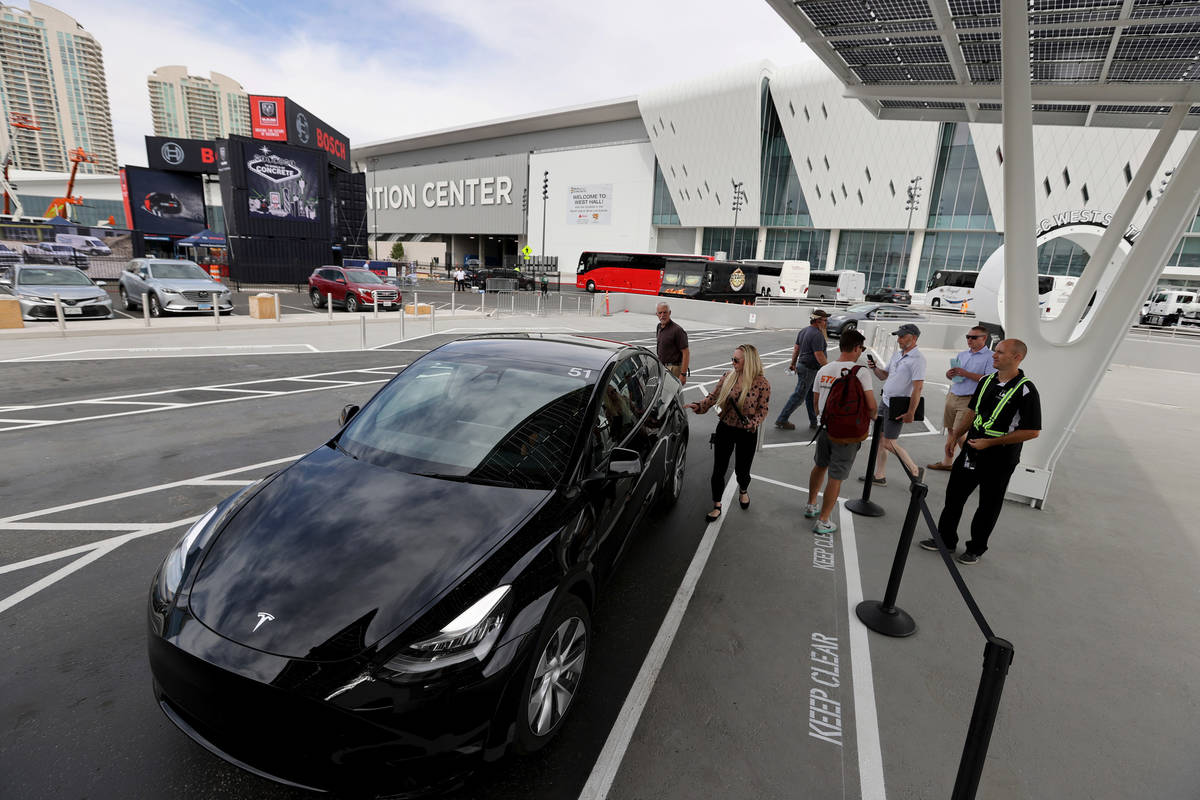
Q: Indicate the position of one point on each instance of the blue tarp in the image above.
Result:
(205, 238)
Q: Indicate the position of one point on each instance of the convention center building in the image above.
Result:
(758, 162)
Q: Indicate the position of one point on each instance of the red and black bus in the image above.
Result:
(636, 273)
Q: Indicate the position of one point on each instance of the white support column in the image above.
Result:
(699, 247)
(1020, 223)
(760, 252)
(914, 261)
(831, 253)
(1062, 329)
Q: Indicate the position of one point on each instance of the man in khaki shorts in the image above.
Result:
(973, 364)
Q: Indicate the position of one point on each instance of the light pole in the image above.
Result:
(545, 197)
(911, 204)
(739, 197)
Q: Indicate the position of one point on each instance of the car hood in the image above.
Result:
(64, 292)
(339, 553)
(187, 284)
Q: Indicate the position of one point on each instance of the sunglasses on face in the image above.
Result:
(736, 360)
(969, 336)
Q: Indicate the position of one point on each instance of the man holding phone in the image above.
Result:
(903, 381)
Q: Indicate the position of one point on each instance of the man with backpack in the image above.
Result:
(845, 400)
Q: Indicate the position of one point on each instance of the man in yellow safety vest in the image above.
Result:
(1004, 412)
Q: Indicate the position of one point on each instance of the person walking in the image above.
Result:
(903, 381)
(672, 344)
(460, 279)
(808, 356)
(1004, 412)
(835, 452)
(971, 365)
(742, 395)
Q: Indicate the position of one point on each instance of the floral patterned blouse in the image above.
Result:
(754, 409)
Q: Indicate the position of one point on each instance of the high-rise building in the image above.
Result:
(53, 70)
(193, 107)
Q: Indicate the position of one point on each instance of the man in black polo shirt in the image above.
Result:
(672, 344)
(1004, 412)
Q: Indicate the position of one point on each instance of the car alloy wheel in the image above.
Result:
(849, 326)
(351, 303)
(318, 301)
(555, 674)
(936, 303)
(155, 305)
(676, 487)
(125, 298)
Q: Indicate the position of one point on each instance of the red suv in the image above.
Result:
(352, 289)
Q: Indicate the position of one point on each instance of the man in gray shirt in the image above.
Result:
(903, 378)
(808, 356)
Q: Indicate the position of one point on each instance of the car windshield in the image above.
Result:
(167, 270)
(362, 276)
(475, 419)
(61, 248)
(860, 308)
(52, 277)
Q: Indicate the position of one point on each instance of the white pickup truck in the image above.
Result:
(1172, 307)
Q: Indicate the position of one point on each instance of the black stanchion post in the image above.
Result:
(864, 506)
(997, 658)
(884, 617)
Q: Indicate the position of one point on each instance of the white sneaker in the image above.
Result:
(811, 511)
(824, 527)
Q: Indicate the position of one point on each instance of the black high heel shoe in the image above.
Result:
(744, 503)
(714, 515)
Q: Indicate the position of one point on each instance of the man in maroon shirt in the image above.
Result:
(672, 344)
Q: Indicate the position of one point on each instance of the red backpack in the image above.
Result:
(846, 417)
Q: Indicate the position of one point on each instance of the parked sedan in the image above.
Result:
(888, 294)
(351, 288)
(50, 253)
(848, 319)
(35, 287)
(415, 596)
(524, 280)
(175, 286)
(8, 255)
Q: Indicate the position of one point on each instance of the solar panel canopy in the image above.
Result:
(1116, 63)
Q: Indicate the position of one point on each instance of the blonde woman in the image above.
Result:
(742, 395)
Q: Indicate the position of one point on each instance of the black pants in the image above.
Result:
(991, 477)
(739, 443)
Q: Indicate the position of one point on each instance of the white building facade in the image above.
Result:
(52, 70)
(818, 178)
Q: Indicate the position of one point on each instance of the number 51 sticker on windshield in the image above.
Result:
(576, 372)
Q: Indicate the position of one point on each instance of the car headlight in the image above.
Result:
(177, 562)
(469, 637)
(165, 290)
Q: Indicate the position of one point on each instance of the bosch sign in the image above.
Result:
(181, 155)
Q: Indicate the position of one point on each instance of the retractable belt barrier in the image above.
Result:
(886, 618)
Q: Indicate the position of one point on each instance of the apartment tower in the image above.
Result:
(193, 107)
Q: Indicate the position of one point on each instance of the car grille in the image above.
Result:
(198, 297)
(383, 295)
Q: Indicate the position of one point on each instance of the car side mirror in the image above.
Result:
(347, 414)
(624, 463)
(341, 280)
(5, 281)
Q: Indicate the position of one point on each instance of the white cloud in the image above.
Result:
(442, 64)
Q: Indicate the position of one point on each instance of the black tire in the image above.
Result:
(567, 627)
(675, 483)
(156, 309)
(129, 304)
(318, 299)
(351, 303)
(935, 303)
(850, 326)
(591, 286)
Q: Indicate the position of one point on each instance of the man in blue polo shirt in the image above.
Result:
(973, 364)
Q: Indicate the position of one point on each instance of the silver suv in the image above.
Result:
(171, 285)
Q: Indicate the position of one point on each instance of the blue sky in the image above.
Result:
(395, 67)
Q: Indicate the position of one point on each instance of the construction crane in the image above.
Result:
(58, 206)
(11, 201)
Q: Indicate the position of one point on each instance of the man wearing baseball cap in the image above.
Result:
(808, 356)
(903, 379)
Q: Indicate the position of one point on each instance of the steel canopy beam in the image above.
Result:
(1135, 94)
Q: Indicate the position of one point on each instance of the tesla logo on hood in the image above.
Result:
(272, 167)
(263, 617)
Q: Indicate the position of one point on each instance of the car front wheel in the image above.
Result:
(156, 309)
(351, 303)
(849, 326)
(125, 298)
(936, 303)
(318, 300)
(675, 488)
(554, 675)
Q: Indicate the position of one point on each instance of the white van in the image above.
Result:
(88, 245)
(840, 285)
(1169, 306)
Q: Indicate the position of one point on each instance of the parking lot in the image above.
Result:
(707, 639)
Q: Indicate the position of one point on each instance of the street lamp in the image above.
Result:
(911, 204)
(739, 199)
(545, 197)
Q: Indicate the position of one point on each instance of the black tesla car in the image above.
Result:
(414, 596)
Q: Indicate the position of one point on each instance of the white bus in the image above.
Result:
(950, 288)
(841, 285)
(785, 279)
(1053, 291)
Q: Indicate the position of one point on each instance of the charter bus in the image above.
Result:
(636, 273)
(841, 285)
(952, 288)
(723, 281)
(785, 279)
